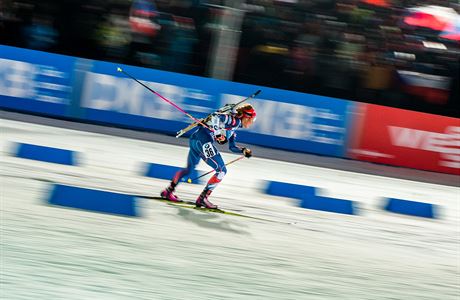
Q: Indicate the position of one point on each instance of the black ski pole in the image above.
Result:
(229, 163)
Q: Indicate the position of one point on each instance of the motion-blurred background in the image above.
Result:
(400, 53)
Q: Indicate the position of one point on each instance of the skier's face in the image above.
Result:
(247, 122)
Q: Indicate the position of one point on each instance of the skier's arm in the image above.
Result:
(236, 149)
(228, 122)
(216, 123)
(232, 144)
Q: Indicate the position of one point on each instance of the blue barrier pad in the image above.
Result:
(329, 204)
(168, 172)
(290, 190)
(412, 208)
(48, 154)
(93, 200)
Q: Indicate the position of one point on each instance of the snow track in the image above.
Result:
(175, 253)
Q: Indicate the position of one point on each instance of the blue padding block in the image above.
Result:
(290, 190)
(412, 208)
(168, 172)
(93, 200)
(48, 154)
(329, 204)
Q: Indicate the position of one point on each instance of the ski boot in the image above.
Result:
(203, 201)
(169, 195)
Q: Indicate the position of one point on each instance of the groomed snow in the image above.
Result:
(175, 253)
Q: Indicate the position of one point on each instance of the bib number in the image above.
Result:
(208, 150)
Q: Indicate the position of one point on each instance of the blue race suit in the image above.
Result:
(202, 146)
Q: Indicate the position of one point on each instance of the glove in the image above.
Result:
(221, 139)
(247, 152)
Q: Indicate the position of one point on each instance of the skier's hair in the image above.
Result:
(245, 110)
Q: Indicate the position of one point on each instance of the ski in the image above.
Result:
(191, 205)
(225, 109)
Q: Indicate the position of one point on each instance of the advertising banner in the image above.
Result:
(35, 81)
(406, 138)
(286, 120)
(80, 89)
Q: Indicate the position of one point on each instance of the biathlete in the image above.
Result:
(202, 146)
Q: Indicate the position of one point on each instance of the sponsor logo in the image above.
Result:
(33, 81)
(105, 92)
(295, 121)
(447, 144)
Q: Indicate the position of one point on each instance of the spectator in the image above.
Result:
(352, 49)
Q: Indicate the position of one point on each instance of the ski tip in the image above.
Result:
(119, 69)
(257, 93)
(189, 180)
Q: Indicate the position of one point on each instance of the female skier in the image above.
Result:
(202, 147)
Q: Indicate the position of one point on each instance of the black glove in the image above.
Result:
(221, 139)
(247, 152)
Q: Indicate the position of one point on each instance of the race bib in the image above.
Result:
(215, 125)
(208, 150)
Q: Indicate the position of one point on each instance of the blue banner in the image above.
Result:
(35, 81)
(286, 120)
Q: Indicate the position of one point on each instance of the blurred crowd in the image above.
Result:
(361, 50)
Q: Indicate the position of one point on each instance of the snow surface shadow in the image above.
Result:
(210, 220)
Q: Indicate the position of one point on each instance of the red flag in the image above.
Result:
(381, 3)
(431, 88)
(432, 16)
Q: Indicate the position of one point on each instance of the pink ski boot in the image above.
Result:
(203, 200)
(169, 195)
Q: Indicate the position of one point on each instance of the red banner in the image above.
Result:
(406, 138)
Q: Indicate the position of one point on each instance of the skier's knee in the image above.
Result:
(224, 170)
(221, 173)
